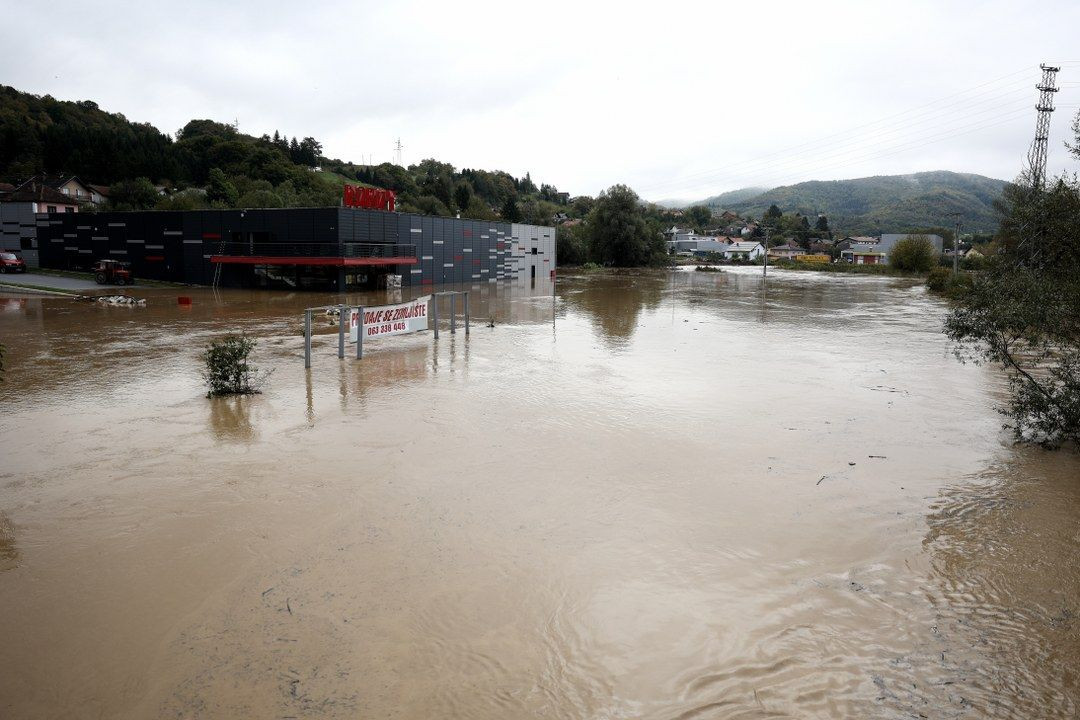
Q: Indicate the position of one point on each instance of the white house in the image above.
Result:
(745, 250)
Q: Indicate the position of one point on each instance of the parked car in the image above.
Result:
(11, 263)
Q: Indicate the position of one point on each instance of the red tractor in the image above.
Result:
(113, 272)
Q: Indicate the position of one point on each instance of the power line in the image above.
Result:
(931, 107)
(825, 149)
(906, 140)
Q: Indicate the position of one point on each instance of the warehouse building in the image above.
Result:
(302, 248)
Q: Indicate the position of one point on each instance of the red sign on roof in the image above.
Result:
(372, 198)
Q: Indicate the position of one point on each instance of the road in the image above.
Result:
(54, 282)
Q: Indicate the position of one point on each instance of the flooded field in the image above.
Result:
(645, 497)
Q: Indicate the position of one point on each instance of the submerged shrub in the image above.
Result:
(938, 280)
(915, 253)
(228, 371)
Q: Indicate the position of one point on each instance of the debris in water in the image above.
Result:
(822, 478)
(112, 300)
(880, 457)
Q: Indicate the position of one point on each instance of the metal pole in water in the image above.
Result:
(453, 313)
(466, 313)
(956, 248)
(341, 332)
(360, 332)
(307, 338)
(435, 313)
(765, 267)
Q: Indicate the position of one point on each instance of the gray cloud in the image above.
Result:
(679, 100)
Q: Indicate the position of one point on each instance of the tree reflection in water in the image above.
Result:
(614, 302)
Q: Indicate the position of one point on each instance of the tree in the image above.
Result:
(462, 194)
(822, 224)
(699, 216)
(619, 233)
(526, 186)
(573, 245)
(220, 190)
(914, 253)
(772, 214)
(308, 152)
(137, 194)
(1023, 312)
(580, 206)
(510, 211)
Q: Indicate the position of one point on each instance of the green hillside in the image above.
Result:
(213, 164)
(885, 203)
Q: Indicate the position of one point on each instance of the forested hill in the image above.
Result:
(212, 164)
(884, 203)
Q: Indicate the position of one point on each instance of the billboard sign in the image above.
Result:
(371, 198)
(389, 319)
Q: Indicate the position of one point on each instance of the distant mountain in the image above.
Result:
(726, 199)
(884, 203)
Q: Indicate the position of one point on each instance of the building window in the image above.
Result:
(534, 251)
(50, 208)
(69, 209)
(67, 191)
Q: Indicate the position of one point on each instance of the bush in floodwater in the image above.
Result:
(915, 253)
(228, 371)
(941, 280)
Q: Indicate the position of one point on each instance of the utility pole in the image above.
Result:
(956, 248)
(765, 267)
(1037, 154)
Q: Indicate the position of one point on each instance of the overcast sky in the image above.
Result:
(676, 99)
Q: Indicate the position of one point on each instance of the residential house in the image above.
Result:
(100, 193)
(744, 250)
(40, 197)
(788, 251)
(863, 254)
(69, 185)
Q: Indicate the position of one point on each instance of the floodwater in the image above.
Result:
(648, 496)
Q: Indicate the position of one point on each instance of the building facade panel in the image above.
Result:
(322, 248)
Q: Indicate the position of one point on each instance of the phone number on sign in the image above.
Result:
(370, 330)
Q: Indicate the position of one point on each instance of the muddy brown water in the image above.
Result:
(644, 497)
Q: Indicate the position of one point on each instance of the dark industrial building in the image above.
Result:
(305, 248)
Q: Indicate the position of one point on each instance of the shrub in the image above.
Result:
(938, 279)
(915, 253)
(942, 280)
(228, 371)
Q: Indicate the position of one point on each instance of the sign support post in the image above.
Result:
(341, 332)
(466, 313)
(360, 333)
(435, 308)
(453, 314)
(307, 338)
